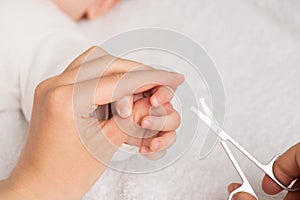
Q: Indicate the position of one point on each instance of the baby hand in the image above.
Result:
(151, 128)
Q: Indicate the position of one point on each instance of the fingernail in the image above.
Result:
(155, 101)
(146, 123)
(143, 150)
(124, 112)
(156, 145)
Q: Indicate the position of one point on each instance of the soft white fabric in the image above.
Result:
(256, 47)
(37, 42)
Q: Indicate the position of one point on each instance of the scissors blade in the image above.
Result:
(211, 124)
(201, 115)
(206, 108)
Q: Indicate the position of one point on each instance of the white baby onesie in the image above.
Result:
(37, 41)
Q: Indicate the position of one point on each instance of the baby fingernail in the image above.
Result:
(156, 145)
(143, 150)
(155, 102)
(146, 123)
(124, 112)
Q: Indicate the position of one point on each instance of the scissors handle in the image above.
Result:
(223, 136)
(268, 169)
(245, 187)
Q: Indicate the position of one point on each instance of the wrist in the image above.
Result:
(9, 191)
(27, 183)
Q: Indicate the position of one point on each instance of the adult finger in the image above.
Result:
(113, 87)
(100, 66)
(90, 94)
(293, 195)
(286, 169)
(240, 195)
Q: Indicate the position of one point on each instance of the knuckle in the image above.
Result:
(96, 52)
(41, 89)
(94, 48)
(58, 98)
(44, 86)
(117, 76)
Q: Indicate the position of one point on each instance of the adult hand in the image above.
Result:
(151, 146)
(66, 149)
(286, 169)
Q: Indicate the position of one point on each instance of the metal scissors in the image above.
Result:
(224, 137)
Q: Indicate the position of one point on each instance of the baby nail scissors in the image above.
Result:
(224, 137)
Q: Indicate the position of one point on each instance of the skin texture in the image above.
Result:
(77, 9)
(54, 161)
(286, 169)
